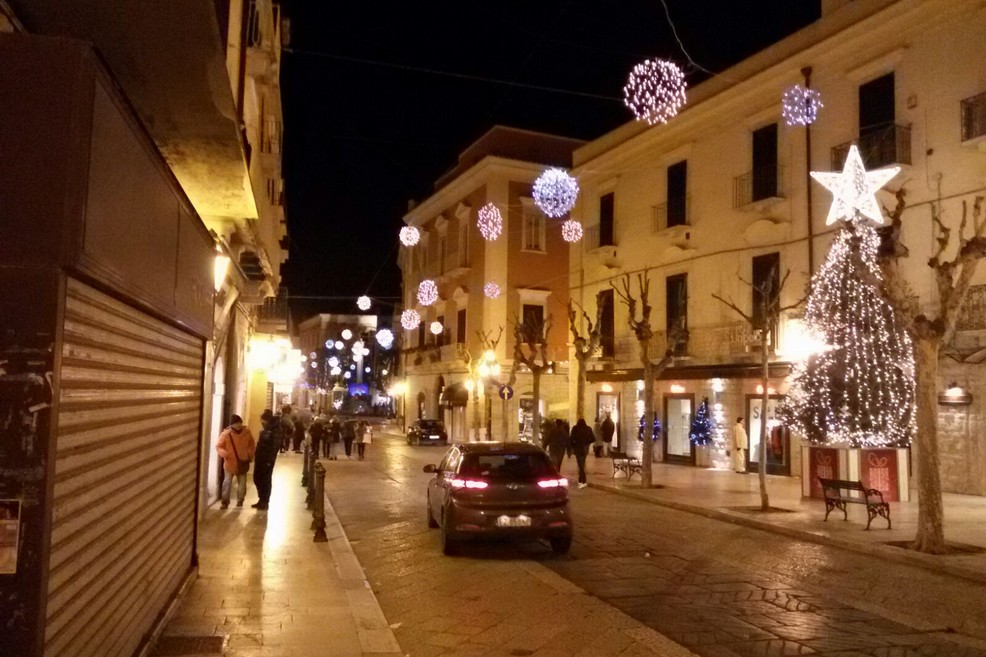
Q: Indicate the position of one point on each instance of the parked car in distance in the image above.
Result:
(427, 432)
(495, 489)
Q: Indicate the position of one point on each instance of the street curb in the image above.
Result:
(926, 561)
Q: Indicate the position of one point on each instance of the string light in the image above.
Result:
(364, 303)
(491, 290)
(854, 189)
(555, 192)
(385, 338)
(410, 235)
(800, 105)
(490, 222)
(571, 231)
(427, 292)
(436, 328)
(410, 319)
(655, 91)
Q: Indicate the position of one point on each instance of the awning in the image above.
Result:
(721, 371)
(454, 394)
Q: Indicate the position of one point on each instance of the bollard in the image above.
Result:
(310, 479)
(304, 469)
(318, 515)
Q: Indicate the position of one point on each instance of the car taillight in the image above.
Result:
(475, 484)
(553, 483)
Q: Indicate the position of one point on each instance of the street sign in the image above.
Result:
(506, 392)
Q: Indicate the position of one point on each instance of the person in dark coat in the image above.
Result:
(582, 437)
(267, 449)
(348, 436)
(299, 435)
(317, 432)
(557, 443)
(334, 433)
(607, 429)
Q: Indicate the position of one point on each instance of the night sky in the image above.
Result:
(380, 99)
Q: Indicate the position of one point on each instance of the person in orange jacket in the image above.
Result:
(236, 446)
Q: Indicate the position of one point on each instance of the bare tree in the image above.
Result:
(929, 334)
(531, 350)
(642, 331)
(770, 313)
(584, 346)
(486, 342)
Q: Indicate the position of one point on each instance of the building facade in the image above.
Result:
(720, 197)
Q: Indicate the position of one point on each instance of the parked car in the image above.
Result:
(496, 489)
(427, 432)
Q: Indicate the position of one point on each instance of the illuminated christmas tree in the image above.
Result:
(703, 429)
(859, 390)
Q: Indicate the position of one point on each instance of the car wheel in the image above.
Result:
(561, 545)
(450, 546)
(431, 519)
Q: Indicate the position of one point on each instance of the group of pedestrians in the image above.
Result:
(332, 438)
(558, 441)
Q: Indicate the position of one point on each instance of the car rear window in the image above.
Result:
(529, 465)
(431, 425)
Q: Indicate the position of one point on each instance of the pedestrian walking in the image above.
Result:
(607, 429)
(740, 445)
(268, 447)
(597, 443)
(335, 439)
(299, 434)
(582, 437)
(287, 428)
(348, 436)
(557, 443)
(364, 436)
(236, 446)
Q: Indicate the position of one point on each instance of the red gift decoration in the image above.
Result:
(824, 462)
(878, 469)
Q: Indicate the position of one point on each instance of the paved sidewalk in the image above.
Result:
(267, 590)
(732, 497)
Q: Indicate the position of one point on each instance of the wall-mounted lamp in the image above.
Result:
(955, 395)
(770, 391)
(677, 389)
(606, 387)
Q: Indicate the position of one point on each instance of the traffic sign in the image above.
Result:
(506, 392)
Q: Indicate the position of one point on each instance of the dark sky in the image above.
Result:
(380, 98)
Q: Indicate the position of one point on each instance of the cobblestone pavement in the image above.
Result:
(718, 589)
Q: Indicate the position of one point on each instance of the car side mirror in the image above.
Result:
(430, 468)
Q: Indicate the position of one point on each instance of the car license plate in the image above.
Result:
(434, 437)
(513, 521)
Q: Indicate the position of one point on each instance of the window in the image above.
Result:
(878, 137)
(533, 230)
(463, 244)
(421, 333)
(766, 290)
(607, 204)
(765, 162)
(442, 252)
(460, 327)
(676, 288)
(677, 193)
(532, 316)
(512, 467)
(607, 324)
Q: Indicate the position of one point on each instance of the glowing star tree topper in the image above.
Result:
(854, 189)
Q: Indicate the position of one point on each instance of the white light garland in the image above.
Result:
(800, 105)
(854, 189)
(410, 235)
(491, 290)
(655, 91)
(410, 319)
(571, 231)
(427, 292)
(436, 328)
(555, 192)
(385, 338)
(364, 303)
(489, 221)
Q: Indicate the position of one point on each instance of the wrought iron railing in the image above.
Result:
(594, 238)
(757, 185)
(675, 212)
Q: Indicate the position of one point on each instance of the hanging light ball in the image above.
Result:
(491, 290)
(346, 334)
(436, 328)
(366, 369)
(352, 366)
(339, 344)
(329, 344)
(410, 319)
(427, 292)
(366, 351)
(336, 371)
(655, 91)
(571, 231)
(800, 105)
(358, 347)
(555, 192)
(313, 355)
(490, 222)
(314, 364)
(347, 375)
(333, 362)
(410, 235)
(364, 303)
(385, 338)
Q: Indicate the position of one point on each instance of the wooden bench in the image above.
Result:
(838, 493)
(628, 465)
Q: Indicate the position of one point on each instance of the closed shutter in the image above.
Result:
(130, 404)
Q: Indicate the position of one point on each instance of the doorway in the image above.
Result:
(609, 402)
(778, 436)
(678, 447)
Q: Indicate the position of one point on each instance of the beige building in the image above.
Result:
(529, 264)
(720, 194)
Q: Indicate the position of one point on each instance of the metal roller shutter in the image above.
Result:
(130, 406)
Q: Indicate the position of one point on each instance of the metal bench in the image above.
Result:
(839, 492)
(628, 465)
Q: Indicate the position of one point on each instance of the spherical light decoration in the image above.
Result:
(364, 303)
(314, 364)
(339, 344)
(436, 328)
(358, 348)
(491, 290)
(366, 369)
(555, 192)
(410, 319)
(385, 338)
(347, 375)
(333, 362)
(313, 355)
(571, 231)
(352, 366)
(346, 334)
(384, 372)
(427, 292)
(800, 105)
(336, 371)
(410, 235)
(490, 222)
(329, 344)
(365, 352)
(655, 91)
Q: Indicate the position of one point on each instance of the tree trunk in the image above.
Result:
(647, 456)
(764, 400)
(930, 531)
(475, 413)
(536, 411)
(580, 387)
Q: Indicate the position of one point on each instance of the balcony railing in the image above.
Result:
(974, 117)
(676, 212)
(760, 184)
(879, 147)
(593, 238)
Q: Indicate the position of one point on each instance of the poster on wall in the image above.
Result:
(10, 524)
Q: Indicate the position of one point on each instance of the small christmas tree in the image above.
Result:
(703, 429)
(657, 429)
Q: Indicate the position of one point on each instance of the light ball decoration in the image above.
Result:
(366, 351)
(436, 328)
(410, 319)
(312, 355)
(427, 292)
(329, 344)
(352, 366)
(491, 290)
(314, 364)
(410, 235)
(364, 303)
(347, 375)
(555, 192)
(339, 344)
(336, 371)
(346, 334)
(333, 362)
(366, 369)
(358, 348)
(571, 231)
(385, 338)
(800, 105)
(655, 91)
(490, 222)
